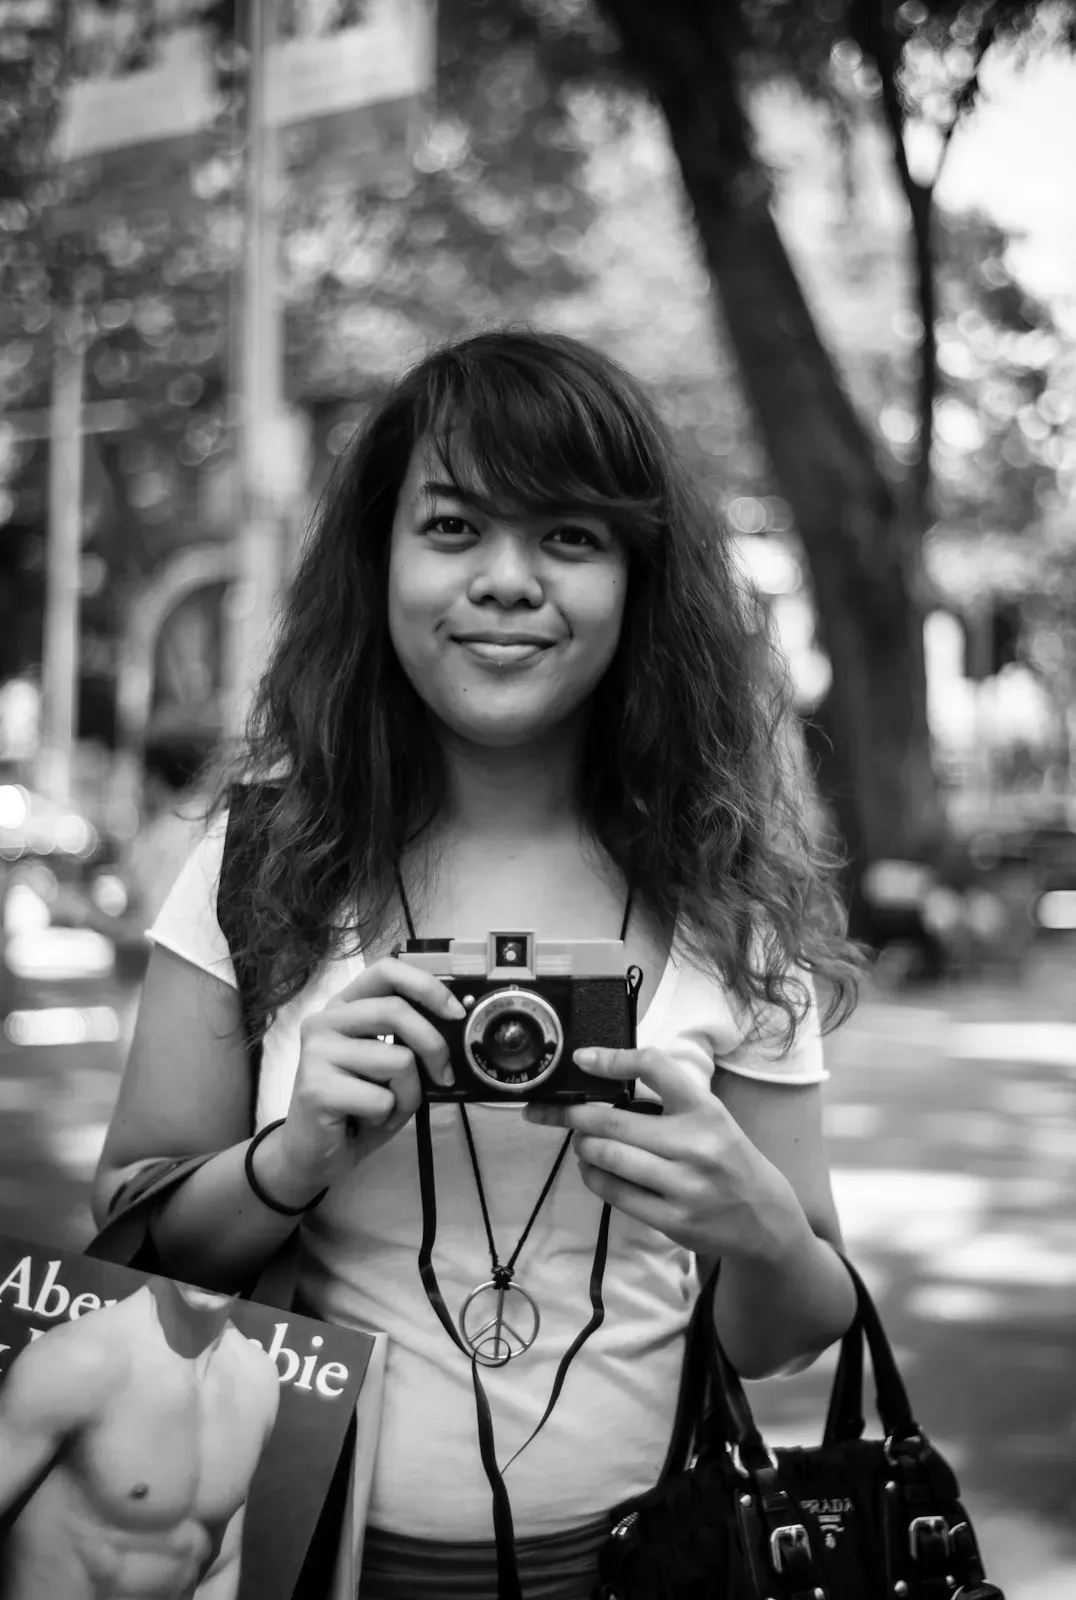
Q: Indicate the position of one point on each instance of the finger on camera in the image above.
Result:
(330, 1089)
(409, 1096)
(390, 976)
(376, 1059)
(391, 1014)
(406, 1089)
(366, 1101)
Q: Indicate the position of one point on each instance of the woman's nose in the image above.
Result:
(506, 571)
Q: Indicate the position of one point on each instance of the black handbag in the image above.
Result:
(851, 1519)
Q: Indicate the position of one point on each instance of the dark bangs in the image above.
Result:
(546, 427)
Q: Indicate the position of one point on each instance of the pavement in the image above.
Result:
(952, 1138)
(952, 1134)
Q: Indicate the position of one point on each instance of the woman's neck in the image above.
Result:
(519, 795)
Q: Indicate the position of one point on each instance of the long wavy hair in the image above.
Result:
(689, 782)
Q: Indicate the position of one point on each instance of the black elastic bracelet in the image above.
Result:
(267, 1199)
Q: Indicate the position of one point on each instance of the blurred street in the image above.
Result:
(952, 1127)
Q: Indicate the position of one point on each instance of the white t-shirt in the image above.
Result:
(609, 1431)
(159, 851)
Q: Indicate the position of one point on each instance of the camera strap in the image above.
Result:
(508, 1585)
(508, 1582)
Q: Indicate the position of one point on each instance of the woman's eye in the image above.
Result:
(576, 537)
(569, 535)
(452, 527)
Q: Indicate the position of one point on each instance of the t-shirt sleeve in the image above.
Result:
(760, 1056)
(187, 922)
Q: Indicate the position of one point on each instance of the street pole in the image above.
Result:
(260, 362)
(60, 644)
(985, 698)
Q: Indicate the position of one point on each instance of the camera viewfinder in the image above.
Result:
(511, 954)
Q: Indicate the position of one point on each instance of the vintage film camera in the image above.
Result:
(529, 1006)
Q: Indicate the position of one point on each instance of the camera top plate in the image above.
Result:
(513, 953)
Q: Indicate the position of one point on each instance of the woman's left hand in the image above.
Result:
(691, 1173)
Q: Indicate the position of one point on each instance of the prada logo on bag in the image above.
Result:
(830, 1515)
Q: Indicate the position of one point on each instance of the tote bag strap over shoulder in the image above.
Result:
(125, 1237)
(248, 813)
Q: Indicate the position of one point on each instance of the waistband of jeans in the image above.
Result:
(556, 1566)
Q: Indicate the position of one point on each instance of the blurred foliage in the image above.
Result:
(1004, 448)
(1004, 433)
(544, 188)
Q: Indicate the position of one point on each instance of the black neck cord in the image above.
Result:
(508, 1587)
(502, 1275)
(508, 1582)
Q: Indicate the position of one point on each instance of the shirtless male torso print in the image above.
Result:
(138, 1429)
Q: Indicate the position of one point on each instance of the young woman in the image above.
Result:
(516, 683)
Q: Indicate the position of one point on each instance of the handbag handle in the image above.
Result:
(846, 1400)
(126, 1240)
(724, 1415)
(844, 1417)
(730, 1421)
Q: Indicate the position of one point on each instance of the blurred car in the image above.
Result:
(977, 903)
(1053, 850)
(897, 898)
(60, 893)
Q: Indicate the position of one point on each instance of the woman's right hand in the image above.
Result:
(353, 1091)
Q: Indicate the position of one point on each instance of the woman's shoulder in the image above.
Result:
(703, 1007)
(207, 837)
(186, 922)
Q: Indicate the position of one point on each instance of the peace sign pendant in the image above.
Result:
(495, 1327)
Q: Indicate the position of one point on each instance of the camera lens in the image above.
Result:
(513, 1039)
(513, 1042)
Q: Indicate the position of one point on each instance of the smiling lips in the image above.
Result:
(504, 649)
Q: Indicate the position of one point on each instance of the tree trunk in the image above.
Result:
(862, 555)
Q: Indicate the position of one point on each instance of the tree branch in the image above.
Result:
(969, 89)
(877, 41)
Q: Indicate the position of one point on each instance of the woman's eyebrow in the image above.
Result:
(434, 489)
(450, 491)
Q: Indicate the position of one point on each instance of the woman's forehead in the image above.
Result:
(434, 474)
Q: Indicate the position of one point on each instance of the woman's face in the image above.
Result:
(503, 625)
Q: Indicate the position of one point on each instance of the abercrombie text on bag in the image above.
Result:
(50, 1299)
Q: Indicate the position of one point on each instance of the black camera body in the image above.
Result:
(529, 1006)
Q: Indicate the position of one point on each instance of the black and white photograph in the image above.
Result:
(537, 799)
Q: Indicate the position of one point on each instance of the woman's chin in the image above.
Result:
(497, 730)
